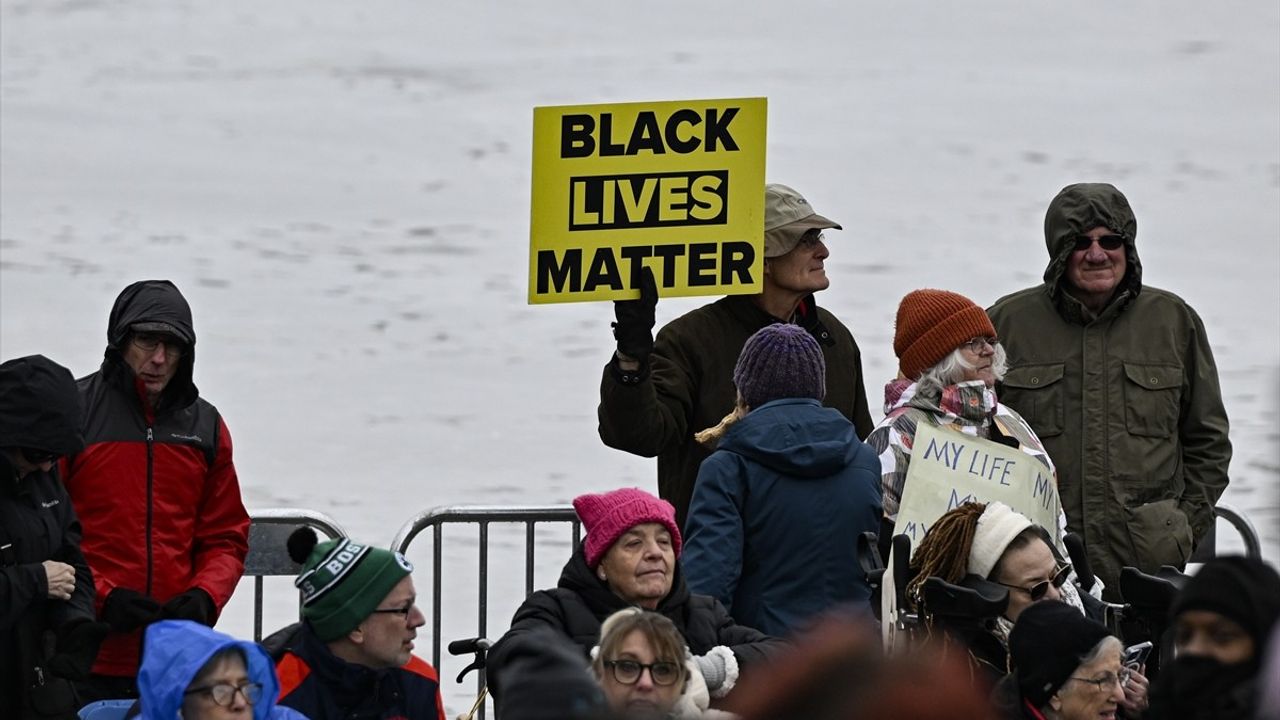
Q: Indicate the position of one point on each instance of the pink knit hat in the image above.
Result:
(607, 516)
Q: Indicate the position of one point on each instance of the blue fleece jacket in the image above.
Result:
(776, 514)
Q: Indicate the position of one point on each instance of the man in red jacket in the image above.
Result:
(165, 532)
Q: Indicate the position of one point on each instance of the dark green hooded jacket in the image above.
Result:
(1126, 402)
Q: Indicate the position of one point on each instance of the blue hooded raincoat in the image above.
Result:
(175, 651)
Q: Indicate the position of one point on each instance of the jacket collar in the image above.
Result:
(578, 578)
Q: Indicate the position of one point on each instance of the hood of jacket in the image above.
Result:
(175, 650)
(796, 437)
(1076, 210)
(39, 406)
(154, 302)
(578, 578)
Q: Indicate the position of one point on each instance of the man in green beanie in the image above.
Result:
(352, 654)
(1117, 378)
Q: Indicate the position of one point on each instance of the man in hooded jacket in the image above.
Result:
(46, 590)
(1118, 381)
(165, 530)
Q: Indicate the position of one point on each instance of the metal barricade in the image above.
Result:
(482, 516)
(269, 532)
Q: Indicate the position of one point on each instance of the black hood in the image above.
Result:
(159, 305)
(39, 406)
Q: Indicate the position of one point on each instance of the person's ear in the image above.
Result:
(356, 636)
(600, 574)
(1055, 702)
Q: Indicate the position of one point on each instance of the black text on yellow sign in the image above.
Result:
(654, 200)
(675, 186)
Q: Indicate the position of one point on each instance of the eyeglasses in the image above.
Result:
(1106, 242)
(628, 672)
(1040, 589)
(810, 239)
(1101, 684)
(225, 693)
(408, 608)
(978, 344)
(38, 457)
(148, 342)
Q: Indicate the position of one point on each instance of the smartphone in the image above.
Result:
(1136, 655)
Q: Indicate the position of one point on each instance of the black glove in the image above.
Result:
(76, 647)
(634, 326)
(127, 610)
(194, 604)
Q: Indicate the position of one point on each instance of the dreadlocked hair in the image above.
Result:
(944, 551)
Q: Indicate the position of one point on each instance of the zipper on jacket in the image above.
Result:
(150, 465)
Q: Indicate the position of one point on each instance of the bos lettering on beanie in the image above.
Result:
(931, 325)
(342, 582)
(608, 515)
(780, 361)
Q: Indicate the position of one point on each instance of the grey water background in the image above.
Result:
(342, 191)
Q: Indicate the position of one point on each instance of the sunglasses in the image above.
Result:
(37, 457)
(628, 672)
(1040, 589)
(1106, 242)
(224, 693)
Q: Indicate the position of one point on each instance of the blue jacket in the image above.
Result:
(776, 514)
(174, 652)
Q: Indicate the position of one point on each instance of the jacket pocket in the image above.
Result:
(1035, 392)
(1151, 397)
(1161, 535)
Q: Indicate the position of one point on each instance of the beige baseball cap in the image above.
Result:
(787, 217)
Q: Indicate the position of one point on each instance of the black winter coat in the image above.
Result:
(581, 602)
(39, 408)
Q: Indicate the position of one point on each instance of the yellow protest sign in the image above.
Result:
(949, 469)
(677, 186)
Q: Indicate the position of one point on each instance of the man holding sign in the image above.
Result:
(655, 394)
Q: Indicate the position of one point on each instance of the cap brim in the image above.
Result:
(160, 327)
(785, 237)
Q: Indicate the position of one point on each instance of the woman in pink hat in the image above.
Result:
(628, 559)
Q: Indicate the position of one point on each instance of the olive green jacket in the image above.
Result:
(1127, 403)
(689, 387)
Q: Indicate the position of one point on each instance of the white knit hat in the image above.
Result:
(997, 527)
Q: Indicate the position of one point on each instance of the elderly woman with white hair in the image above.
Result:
(949, 360)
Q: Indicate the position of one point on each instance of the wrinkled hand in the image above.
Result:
(194, 604)
(61, 579)
(126, 610)
(633, 328)
(77, 647)
(1135, 693)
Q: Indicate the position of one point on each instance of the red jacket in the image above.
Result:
(155, 488)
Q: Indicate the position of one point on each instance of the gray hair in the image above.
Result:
(1106, 644)
(950, 370)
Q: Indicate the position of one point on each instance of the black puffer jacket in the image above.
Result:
(39, 409)
(581, 602)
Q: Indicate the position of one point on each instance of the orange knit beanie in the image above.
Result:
(932, 323)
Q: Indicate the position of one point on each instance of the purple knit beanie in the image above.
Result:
(780, 361)
(606, 517)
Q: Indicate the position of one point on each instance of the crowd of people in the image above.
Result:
(739, 591)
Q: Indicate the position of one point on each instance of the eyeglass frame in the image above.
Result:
(174, 348)
(396, 611)
(641, 667)
(1059, 579)
(975, 345)
(1114, 241)
(212, 692)
(1121, 678)
(811, 238)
